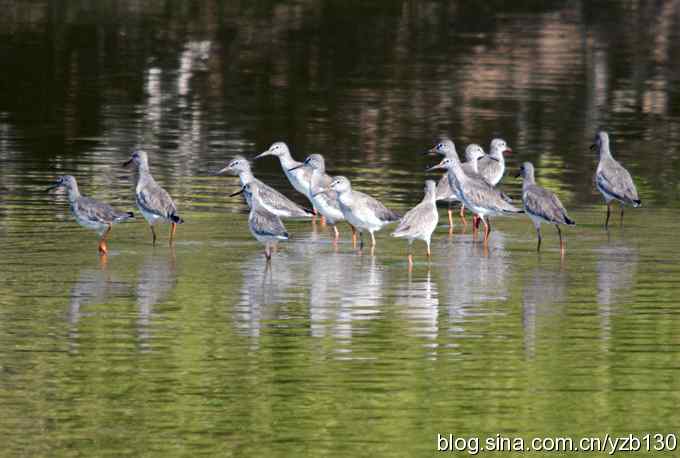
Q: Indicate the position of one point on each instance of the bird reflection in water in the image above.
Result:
(545, 287)
(616, 268)
(419, 304)
(93, 287)
(473, 278)
(156, 279)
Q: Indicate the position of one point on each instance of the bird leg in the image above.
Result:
(337, 232)
(323, 221)
(622, 207)
(361, 240)
(153, 235)
(538, 233)
(450, 216)
(410, 256)
(354, 236)
(487, 230)
(429, 253)
(562, 244)
(372, 239)
(267, 252)
(606, 221)
(173, 229)
(103, 248)
(462, 215)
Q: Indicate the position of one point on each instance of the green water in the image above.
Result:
(201, 350)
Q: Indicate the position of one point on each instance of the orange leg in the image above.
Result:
(450, 216)
(173, 229)
(337, 233)
(354, 236)
(462, 214)
(103, 247)
(487, 230)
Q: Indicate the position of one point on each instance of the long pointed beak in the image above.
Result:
(296, 167)
(54, 186)
(507, 151)
(427, 152)
(238, 192)
(593, 147)
(518, 174)
(262, 154)
(127, 163)
(434, 167)
(221, 171)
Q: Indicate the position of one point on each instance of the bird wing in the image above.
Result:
(378, 208)
(416, 220)
(444, 191)
(481, 194)
(545, 204)
(98, 212)
(156, 200)
(264, 223)
(488, 168)
(272, 198)
(613, 178)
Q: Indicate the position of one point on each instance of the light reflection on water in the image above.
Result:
(203, 349)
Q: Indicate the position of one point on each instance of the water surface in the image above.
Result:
(202, 350)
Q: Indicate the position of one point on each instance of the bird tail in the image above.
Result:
(569, 221)
(637, 203)
(130, 214)
(176, 219)
(124, 216)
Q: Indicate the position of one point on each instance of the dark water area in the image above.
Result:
(200, 350)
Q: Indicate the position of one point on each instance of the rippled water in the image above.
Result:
(201, 350)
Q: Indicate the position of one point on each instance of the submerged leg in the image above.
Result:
(103, 247)
(173, 229)
(609, 210)
(622, 207)
(487, 229)
(562, 244)
(153, 235)
(538, 233)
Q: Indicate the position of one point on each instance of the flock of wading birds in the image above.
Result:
(473, 183)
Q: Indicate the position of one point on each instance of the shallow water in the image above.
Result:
(202, 350)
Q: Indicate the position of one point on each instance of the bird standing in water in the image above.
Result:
(421, 221)
(89, 212)
(265, 226)
(542, 205)
(153, 201)
(612, 179)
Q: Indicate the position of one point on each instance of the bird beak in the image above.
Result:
(221, 171)
(435, 167)
(238, 192)
(518, 174)
(263, 154)
(54, 186)
(127, 163)
(432, 150)
(593, 147)
(507, 151)
(296, 167)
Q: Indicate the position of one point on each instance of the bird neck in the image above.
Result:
(497, 154)
(605, 152)
(246, 176)
(287, 161)
(529, 180)
(73, 192)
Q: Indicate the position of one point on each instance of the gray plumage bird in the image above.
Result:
(473, 153)
(612, 179)
(89, 212)
(421, 221)
(299, 177)
(476, 193)
(541, 205)
(271, 199)
(326, 203)
(492, 166)
(153, 201)
(361, 210)
(265, 226)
